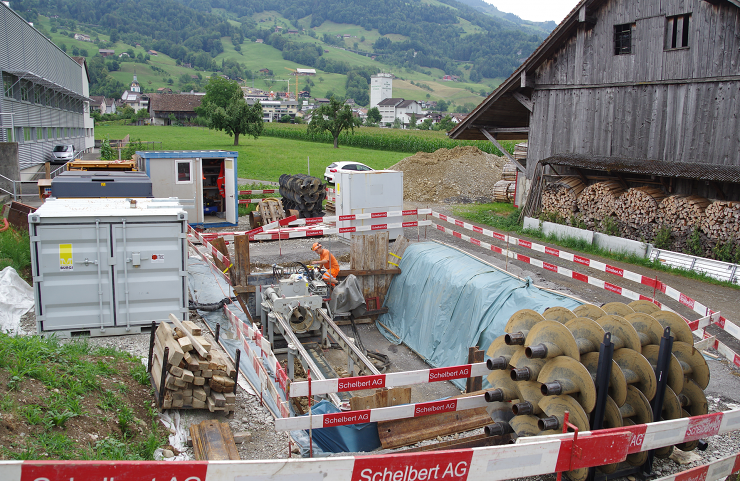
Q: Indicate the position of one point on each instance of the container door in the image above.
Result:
(149, 272)
(229, 191)
(67, 260)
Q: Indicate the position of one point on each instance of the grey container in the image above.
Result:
(92, 184)
(108, 266)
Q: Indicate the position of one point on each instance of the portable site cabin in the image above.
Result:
(194, 174)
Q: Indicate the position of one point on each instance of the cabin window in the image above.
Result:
(623, 39)
(677, 31)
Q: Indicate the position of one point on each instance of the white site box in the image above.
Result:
(108, 266)
(370, 192)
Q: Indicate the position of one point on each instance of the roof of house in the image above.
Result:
(390, 102)
(174, 102)
(509, 112)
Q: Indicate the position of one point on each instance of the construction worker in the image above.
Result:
(328, 261)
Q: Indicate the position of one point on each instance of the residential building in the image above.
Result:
(381, 88)
(273, 110)
(644, 92)
(44, 95)
(180, 106)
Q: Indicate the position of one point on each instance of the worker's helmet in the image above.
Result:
(315, 246)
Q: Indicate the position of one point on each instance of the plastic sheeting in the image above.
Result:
(16, 299)
(445, 302)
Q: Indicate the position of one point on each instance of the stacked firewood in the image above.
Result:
(561, 196)
(639, 205)
(503, 191)
(680, 212)
(722, 221)
(199, 375)
(599, 200)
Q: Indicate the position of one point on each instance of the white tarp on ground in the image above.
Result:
(16, 298)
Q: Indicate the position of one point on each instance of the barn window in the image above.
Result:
(623, 39)
(677, 31)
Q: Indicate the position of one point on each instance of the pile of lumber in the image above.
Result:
(503, 191)
(599, 200)
(199, 375)
(561, 196)
(722, 221)
(509, 172)
(639, 205)
(679, 211)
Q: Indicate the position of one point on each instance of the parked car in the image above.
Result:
(62, 154)
(335, 167)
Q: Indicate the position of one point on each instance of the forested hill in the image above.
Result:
(427, 34)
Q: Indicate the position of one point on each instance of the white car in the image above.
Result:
(336, 167)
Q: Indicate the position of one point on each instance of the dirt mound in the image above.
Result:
(459, 174)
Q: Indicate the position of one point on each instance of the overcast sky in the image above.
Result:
(536, 10)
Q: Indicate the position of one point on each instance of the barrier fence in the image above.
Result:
(537, 456)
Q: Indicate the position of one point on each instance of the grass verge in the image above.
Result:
(74, 401)
(505, 217)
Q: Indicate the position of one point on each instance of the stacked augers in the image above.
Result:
(547, 364)
(302, 193)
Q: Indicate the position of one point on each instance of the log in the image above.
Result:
(561, 197)
(639, 206)
(722, 221)
(598, 200)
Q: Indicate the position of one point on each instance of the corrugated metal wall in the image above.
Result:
(22, 48)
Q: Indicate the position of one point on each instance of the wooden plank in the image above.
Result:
(382, 398)
(213, 441)
(196, 345)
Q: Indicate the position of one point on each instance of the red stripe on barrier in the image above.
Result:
(703, 426)
(435, 407)
(361, 382)
(121, 470)
(351, 417)
(444, 465)
(579, 277)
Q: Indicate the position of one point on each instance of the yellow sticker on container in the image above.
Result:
(65, 257)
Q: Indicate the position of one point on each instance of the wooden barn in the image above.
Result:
(641, 91)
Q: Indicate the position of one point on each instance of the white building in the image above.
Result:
(44, 100)
(381, 88)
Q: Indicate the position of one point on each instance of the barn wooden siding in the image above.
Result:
(676, 105)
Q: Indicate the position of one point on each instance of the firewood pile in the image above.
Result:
(599, 200)
(639, 206)
(561, 196)
(722, 221)
(681, 212)
(503, 191)
(199, 375)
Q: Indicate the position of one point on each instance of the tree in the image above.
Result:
(374, 116)
(333, 117)
(225, 108)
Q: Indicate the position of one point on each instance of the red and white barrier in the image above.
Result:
(540, 455)
(393, 379)
(719, 469)
(674, 294)
(404, 411)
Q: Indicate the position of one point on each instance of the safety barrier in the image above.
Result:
(701, 309)
(539, 455)
(393, 379)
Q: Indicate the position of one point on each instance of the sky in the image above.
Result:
(536, 10)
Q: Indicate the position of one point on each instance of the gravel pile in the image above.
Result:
(462, 174)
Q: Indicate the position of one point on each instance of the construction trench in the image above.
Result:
(540, 369)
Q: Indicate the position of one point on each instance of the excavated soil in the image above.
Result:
(462, 174)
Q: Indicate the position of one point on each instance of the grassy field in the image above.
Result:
(263, 159)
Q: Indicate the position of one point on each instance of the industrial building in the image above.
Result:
(45, 96)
